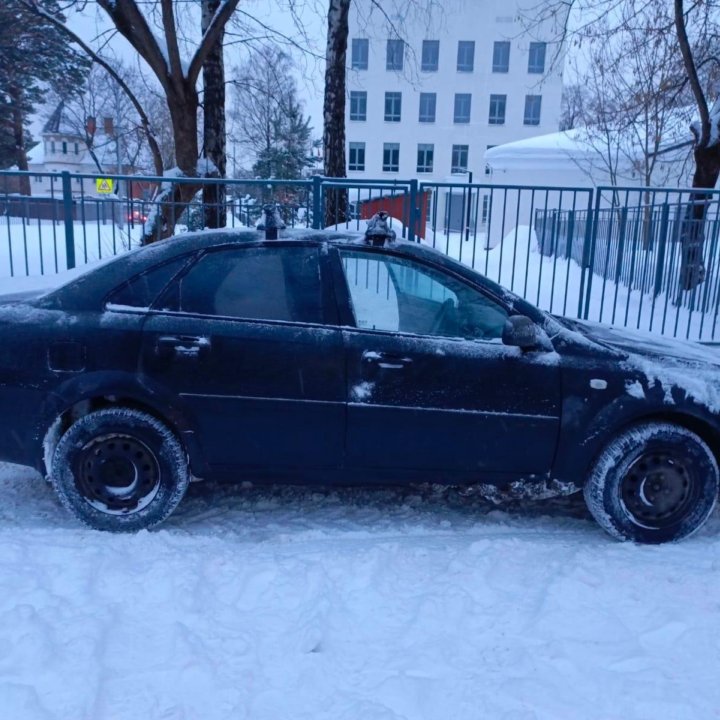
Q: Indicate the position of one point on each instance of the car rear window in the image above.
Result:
(277, 283)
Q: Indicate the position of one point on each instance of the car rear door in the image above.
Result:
(245, 340)
(431, 387)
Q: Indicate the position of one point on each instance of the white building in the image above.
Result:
(63, 149)
(468, 79)
(582, 158)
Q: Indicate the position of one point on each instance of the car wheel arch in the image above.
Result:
(697, 424)
(69, 412)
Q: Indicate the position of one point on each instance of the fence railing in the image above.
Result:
(638, 257)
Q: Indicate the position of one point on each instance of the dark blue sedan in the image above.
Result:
(333, 358)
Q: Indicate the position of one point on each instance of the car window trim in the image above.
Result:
(230, 318)
(494, 342)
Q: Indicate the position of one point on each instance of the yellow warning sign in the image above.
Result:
(103, 185)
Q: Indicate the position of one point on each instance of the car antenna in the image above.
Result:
(273, 223)
(378, 230)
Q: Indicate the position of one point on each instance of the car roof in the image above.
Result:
(84, 291)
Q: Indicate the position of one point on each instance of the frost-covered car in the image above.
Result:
(327, 358)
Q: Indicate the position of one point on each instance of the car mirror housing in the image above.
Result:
(520, 331)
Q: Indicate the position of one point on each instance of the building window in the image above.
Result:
(428, 103)
(430, 55)
(466, 56)
(64, 148)
(501, 57)
(425, 158)
(393, 106)
(358, 105)
(459, 162)
(77, 149)
(462, 107)
(533, 103)
(52, 146)
(536, 58)
(497, 109)
(395, 55)
(391, 157)
(356, 156)
(359, 54)
(38, 178)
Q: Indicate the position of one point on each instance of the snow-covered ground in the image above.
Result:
(351, 605)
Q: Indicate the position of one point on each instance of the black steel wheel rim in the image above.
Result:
(658, 488)
(117, 474)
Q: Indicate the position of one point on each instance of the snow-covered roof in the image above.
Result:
(59, 124)
(560, 150)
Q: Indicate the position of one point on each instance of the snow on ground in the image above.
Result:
(350, 605)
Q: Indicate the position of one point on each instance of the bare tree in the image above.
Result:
(694, 30)
(631, 100)
(100, 97)
(178, 77)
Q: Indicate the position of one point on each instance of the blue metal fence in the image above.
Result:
(638, 257)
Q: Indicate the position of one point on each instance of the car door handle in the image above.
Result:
(385, 361)
(182, 346)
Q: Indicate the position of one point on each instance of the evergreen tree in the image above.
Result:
(33, 56)
(288, 152)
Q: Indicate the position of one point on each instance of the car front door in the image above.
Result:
(431, 387)
(244, 339)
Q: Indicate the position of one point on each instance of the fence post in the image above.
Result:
(317, 202)
(589, 250)
(412, 214)
(468, 215)
(662, 244)
(68, 216)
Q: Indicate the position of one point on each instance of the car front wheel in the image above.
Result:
(119, 469)
(654, 483)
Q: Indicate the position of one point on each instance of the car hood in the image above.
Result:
(645, 344)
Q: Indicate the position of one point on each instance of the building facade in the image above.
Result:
(63, 148)
(429, 93)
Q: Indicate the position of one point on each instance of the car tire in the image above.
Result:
(119, 470)
(654, 483)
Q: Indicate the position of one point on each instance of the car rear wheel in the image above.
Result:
(654, 483)
(119, 469)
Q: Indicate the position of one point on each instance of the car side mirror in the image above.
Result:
(522, 332)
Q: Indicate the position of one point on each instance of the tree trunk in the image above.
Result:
(173, 198)
(692, 228)
(214, 135)
(19, 138)
(334, 108)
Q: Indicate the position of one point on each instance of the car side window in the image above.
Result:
(140, 292)
(257, 283)
(397, 294)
